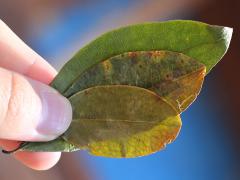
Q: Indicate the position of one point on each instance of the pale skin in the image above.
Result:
(30, 110)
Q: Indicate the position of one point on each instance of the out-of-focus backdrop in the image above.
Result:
(208, 145)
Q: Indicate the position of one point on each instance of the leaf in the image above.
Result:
(203, 42)
(121, 121)
(173, 76)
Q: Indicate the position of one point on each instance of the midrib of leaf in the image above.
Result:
(201, 44)
(117, 120)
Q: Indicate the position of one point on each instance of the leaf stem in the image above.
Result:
(14, 150)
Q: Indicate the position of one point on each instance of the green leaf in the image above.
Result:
(173, 76)
(203, 42)
(121, 121)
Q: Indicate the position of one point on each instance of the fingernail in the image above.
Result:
(56, 114)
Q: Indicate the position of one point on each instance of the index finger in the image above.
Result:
(15, 55)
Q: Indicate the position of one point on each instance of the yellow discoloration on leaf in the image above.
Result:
(141, 144)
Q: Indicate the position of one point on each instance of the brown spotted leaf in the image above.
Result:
(174, 76)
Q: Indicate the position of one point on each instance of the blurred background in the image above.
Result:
(208, 145)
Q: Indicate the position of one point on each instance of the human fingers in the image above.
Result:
(15, 55)
(30, 110)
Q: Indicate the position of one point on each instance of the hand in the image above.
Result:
(29, 109)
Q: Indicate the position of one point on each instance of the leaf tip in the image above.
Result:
(227, 34)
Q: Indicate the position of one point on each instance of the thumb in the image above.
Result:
(30, 110)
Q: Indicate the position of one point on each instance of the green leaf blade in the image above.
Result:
(179, 36)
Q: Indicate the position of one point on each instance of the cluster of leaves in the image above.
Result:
(129, 86)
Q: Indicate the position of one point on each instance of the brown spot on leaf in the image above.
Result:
(169, 77)
(150, 53)
(86, 92)
(132, 54)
